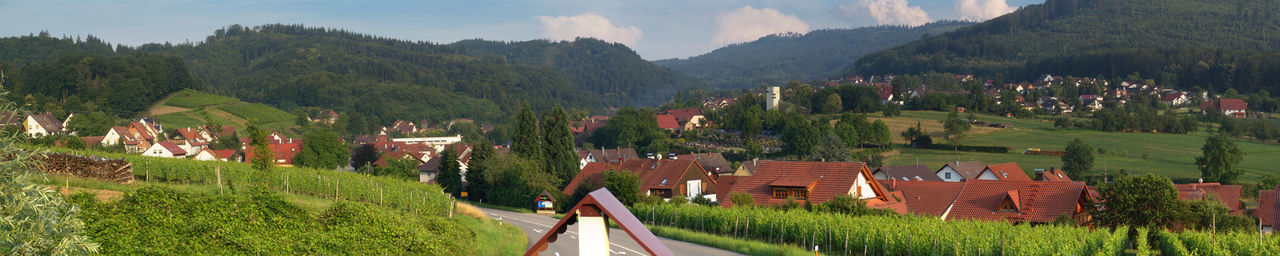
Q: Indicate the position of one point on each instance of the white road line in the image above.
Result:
(571, 232)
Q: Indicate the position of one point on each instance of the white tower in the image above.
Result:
(772, 98)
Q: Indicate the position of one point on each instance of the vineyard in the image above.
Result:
(1230, 243)
(388, 192)
(839, 234)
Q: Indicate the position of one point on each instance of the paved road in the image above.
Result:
(536, 225)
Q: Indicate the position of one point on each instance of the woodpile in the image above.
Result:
(114, 170)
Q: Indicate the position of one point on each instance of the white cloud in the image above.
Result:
(747, 24)
(980, 10)
(588, 25)
(885, 12)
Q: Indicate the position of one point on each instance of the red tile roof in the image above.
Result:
(224, 154)
(1227, 194)
(1007, 171)
(1039, 202)
(832, 179)
(282, 151)
(666, 174)
(724, 184)
(592, 174)
(172, 148)
(684, 115)
(1053, 175)
(667, 122)
(1268, 208)
(926, 197)
(1225, 104)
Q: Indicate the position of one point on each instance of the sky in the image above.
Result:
(655, 29)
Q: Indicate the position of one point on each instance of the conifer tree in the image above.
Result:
(528, 141)
(560, 160)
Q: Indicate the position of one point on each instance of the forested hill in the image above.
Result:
(610, 70)
(817, 54)
(1208, 43)
(378, 80)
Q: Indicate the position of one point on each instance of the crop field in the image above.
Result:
(191, 108)
(195, 99)
(1167, 154)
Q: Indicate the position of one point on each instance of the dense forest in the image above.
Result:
(816, 55)
(1185, 43)
(377, 80)
(610, 70)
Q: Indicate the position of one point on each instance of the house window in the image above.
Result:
(800, 193)
(948, 175)
(779, 193)
(1007, 206)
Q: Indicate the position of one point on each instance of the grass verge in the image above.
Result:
(497, 238)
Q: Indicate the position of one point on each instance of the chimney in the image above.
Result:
(894, 184)
(755, 161)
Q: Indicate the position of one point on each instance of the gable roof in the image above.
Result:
(172, 148)
(1053, 175)
(616, 155)
(926, 197)
(917, 172)
(1038, 202)
(711, 161)
(11, 118)
(224, 154)
(1268, 207)
(667, 122)
(1227, 194)
(685, 114)
(667, 173)
(1007, 171)
(48, 122)
(282, 151)
(828, 179)
(968, 170)
(602, 203)
(724, 184)
(592, 173)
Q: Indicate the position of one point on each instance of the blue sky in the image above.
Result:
(656, 29)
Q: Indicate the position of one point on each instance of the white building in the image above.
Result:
(772, 98)
(165, 149)
(205, 155)
(41, 125)
(436, 142)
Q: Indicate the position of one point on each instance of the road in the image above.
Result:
(536, 225)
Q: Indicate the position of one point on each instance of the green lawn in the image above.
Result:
(178, 120)
(194, 99)
(1168, 154)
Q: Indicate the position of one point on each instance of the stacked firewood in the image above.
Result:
(114, 170)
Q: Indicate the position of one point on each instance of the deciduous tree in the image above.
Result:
(1078, 158)
(1220, 160)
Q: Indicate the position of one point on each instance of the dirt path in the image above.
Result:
(160, 108)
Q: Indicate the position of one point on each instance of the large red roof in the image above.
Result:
(667, 122)
(283, 151)
(829, 180)
(1008, 171)
(685, 114)
(1039, 202)
(1053, 175)
(1227, 194)
(1268, 208)
(926, 197)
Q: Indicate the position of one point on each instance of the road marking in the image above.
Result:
(617, 252)
(570, 232)
(537, 230)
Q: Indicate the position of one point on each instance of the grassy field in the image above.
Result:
(194, 99)
(191, 108)
(1167, 154)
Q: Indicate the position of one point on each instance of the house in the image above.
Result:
(205, 154)
(403, 127)
(121, 135)
(1229, 195)
(1230, 107)
(666, 178)
(960, 171)
(1175, 99)
(1004, 171)
(688, 118)
(42, 125)
(1093, 101)
(327, 116)
(747, 168)
(713, 162)
(283, 152)
(616, 156)
(668, 122)
(191, 139)
(12, 118)
(917, 172)
(1268, 212)
(165, 149)
(227, 155)
(886, 94)
(1052, 175)
(430, 167)
(774, 182)
(1012, 201)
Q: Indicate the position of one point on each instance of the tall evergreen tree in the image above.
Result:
(450, 176)
(528, 141)
(560, 158)
(1220, 160)
(832, 149)
(1078, 158)
(477, 169)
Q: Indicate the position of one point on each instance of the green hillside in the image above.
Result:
(1208, 43)
(612, 71)
(191, 108)
(815, 55)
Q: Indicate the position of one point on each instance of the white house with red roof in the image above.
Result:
(205, 155)
(1230, 107)
(165, 149)
(42, 125)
